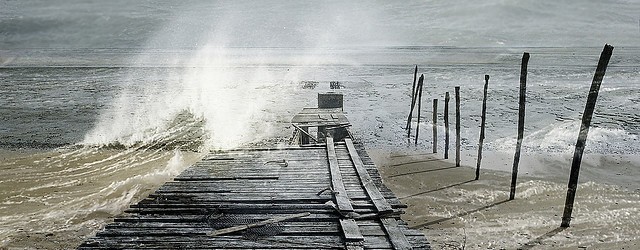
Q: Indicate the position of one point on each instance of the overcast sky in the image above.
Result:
(179, 24)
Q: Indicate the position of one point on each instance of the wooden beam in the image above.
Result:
(340, 192)
(372, 190)
(397, 237)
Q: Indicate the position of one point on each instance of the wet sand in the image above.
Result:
(457, 212)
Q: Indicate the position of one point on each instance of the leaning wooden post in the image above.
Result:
(457, 126)
(419, 92)
(413, 102)
(435, 126)
(584, 131)
(446, 125)
(482, 123)
(523, 92)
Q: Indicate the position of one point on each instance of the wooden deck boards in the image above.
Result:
(337, 185)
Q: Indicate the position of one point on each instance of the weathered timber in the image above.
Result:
(342, 200)
(376, 196)
(521, 113)
(434, 126)
(420, 83)
(482, 124)
(584, 132)
(398, 239)
(413, 102)
(351, 230)
(446, 125)
(457, 90)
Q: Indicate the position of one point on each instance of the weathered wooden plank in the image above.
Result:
(213, 178)
(194, 231)
(294, 225)
(342, 200)
(208, 197)
(192, 218)
(350, 230)
(353, 194)
(397, 238)
(203, 241)
(184, 211)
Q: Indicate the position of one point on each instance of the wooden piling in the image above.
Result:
(435, 126)
(446, 125)
(413, 102)
(521, 113)
(584, 131)
(419, 90)
(457, 90)
(482, 123)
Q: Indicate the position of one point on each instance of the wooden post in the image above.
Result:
(413, 102)
(457, 126)
(435, 126)
(482, 123)
(521, 113)
(419, 90)
(584, 131)
(446, 125)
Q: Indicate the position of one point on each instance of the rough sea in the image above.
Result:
(102, 101)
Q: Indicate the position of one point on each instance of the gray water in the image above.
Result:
(52, 106)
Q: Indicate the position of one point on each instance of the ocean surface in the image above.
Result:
(102, 101)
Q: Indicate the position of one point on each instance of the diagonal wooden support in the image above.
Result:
(257, 224)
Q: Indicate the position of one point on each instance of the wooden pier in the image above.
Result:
(328, 195)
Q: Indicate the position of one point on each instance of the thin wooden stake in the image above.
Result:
(482, 123)
(457, 126)
(521, 113)
(584, 131)
(435, 126)
(419, 90)
(446, 125)
(413, 102)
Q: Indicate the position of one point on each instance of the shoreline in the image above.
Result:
(454, 211)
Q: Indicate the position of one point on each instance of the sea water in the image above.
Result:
(103, 101)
